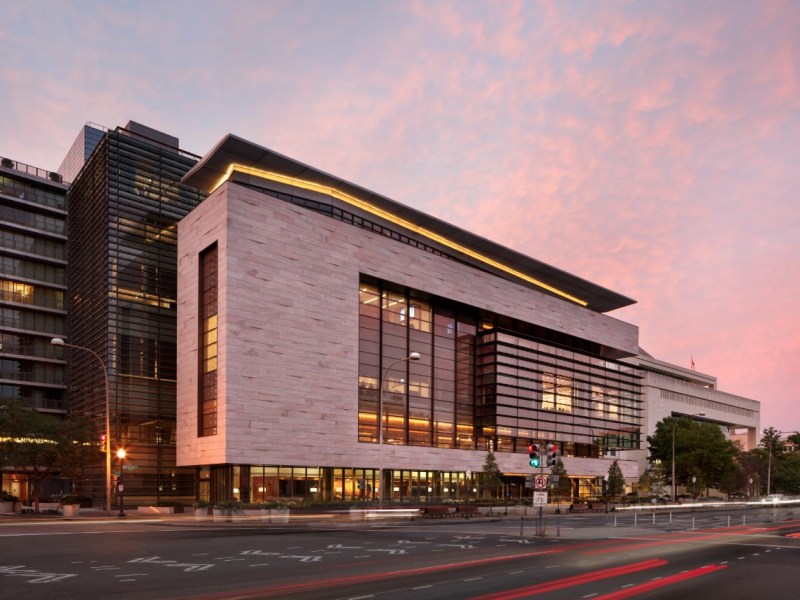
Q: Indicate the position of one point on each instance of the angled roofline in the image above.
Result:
(233, 153)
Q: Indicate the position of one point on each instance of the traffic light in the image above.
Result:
(533, 452)
(552, 454)
(103, 440)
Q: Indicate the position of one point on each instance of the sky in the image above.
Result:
(650, 147)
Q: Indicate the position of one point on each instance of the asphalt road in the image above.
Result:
(705, 554)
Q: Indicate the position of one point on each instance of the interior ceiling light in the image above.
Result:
(372, 209)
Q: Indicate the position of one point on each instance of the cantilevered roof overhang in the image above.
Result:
(235, 154)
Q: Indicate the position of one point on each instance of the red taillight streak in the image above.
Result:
(558, 584)
(698, 536)
(297, 587)
(653, 585)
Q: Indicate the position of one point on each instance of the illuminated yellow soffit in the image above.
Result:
(315, 187)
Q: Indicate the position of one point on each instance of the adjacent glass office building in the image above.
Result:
(125, 204)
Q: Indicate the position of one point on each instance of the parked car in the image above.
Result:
(773, 499)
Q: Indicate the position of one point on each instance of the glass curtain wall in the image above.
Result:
(483, 387)
(125, 205)
(428, 402)
(532, 390)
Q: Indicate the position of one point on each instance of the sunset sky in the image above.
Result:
(650, 147)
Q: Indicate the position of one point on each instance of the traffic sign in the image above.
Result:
(540, 498)
(540, 482)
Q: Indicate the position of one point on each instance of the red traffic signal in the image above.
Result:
(535, 457)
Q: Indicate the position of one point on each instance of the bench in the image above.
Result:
(50, 508)
(467, 511)
(584, 507)
(440, 512)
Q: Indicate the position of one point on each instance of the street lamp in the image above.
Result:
(674, 483)
(120, 489)
(412, 356)
(769, 462)
(60, 342)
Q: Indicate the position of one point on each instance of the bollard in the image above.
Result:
(692, 522)
(521, 527)
(558, 527)
(729, 520)
(654, 517)
(670, 516)
(635, 518)
(615, 519)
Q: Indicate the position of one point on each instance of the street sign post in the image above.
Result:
(540, 499)
(540, 482)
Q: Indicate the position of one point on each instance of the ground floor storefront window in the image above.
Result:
(265, 483)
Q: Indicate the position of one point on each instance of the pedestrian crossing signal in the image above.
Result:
(552, 454)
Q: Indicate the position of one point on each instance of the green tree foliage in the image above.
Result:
(564, 487)
(492, 476)
(43, 445)
(771, 460)
(616, 481)
(771, 441)
(701, 451)
(653, 482)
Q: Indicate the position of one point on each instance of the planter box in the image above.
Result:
(71, 510)
(257, 514)
(6, 507)
(228, 515)
(201, 514)
(279, 515)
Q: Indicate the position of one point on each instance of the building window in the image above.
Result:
(207, 396)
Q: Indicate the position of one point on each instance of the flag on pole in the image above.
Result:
(692, 363)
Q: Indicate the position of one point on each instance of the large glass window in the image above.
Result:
(427, 402)
(207, 413)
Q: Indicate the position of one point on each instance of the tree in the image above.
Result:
(78, 447)
(564, 487)
(616, 480)
(701, 451)
(653, 481)
(39, 443)
(772, 442)
(492, 476)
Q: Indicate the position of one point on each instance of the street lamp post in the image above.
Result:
(769, 465)
(61, 342)
(412, 356)
(674, 483)
(120, 488)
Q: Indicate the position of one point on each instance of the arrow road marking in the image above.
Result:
(303, 558)
(172, 563)
(38, 576)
